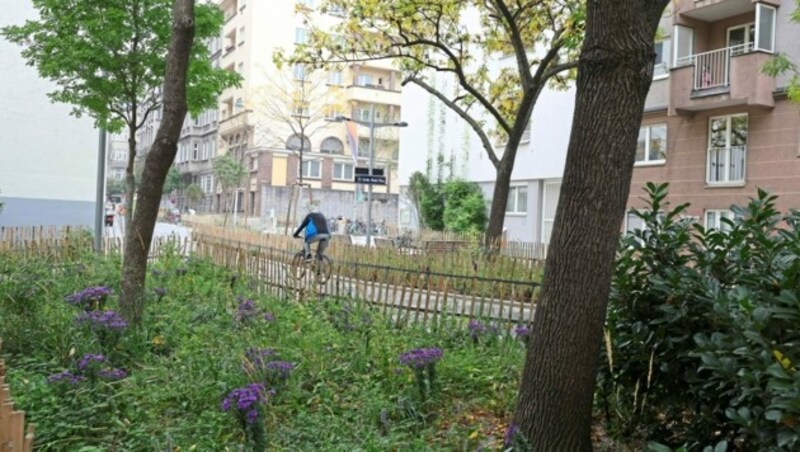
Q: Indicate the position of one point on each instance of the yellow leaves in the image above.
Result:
(785, 362)
(158, 340)
(473, 435)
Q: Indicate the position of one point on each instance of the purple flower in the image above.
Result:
(112, 374)
(89, 359)
(246, 309)
(522, 332)
(476, 328)
(511, 432)
(105, 320)
(421, 357)
(89, 298)
(280, 370)
(246, 400)
(65, 377)
(269, 317)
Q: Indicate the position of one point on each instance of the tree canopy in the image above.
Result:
(502, 53)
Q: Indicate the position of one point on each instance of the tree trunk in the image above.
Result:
(159, 159)
(554, 408)
(130, 178)
(497, 213)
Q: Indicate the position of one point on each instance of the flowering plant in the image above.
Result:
(90, 367)
(106, 325)
(247, 404)
(423, 362)
(478, 330)
(90, 298)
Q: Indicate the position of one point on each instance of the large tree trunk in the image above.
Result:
(159, 159)
(554, 407)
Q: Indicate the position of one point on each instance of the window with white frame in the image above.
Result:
(312, 169)
(196, 151)
(335, 78)
(517, 200)
(300, 36)
(741, 38)
(331, 145)
(364, 80)
(727, 149)
(552, 190)
(299, 71)
(336, 11)
(661, 68)
(714, 219)
(343, 171)
(652, 144)
(301, 109)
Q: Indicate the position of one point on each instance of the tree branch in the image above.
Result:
(487, 144)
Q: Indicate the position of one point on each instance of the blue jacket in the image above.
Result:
(314, 223)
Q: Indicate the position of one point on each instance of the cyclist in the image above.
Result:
(316, 227)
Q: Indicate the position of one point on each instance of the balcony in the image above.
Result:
(373, 94)
(725, 77)
(714, 10)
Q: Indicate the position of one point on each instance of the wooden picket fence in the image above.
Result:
(407, 294)
(13, 436)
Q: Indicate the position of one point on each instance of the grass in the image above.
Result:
(347, 392)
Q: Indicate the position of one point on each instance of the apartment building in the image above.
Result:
(715, 126)
(269, 144)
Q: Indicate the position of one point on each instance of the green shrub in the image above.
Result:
(702, 336)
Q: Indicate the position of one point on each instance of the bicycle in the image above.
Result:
(320, 265)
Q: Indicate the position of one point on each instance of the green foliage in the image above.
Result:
(465, 209)
(115, 187)
(193, 193)
(342, 395)
(174, 181)
(701, 345)
(228, 172)
(108, 57)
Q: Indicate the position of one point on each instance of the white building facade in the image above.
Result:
(439, 136)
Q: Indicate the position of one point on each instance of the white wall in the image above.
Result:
(45, 154)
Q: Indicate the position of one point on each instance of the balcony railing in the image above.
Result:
(726, 165)
(713, 69)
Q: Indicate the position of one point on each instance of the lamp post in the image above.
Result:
(100, 193)
(372, 126)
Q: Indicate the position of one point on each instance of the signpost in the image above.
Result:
(363, 176)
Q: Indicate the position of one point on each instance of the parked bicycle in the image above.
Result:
(321, 266)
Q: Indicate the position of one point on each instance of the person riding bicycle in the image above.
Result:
(316, 227)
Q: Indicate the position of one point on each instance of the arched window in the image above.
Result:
(293, 143)
(331, 145)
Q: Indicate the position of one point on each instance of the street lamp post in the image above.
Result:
(372, 126)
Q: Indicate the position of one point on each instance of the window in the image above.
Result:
(363, 147)
(661, 69)
(300, 36)
(552, 190)
(765, 31)
(727, 150)
(240, 68)
(335, 78)
(311, 169)
(241, 36)
(195, 154)
(331, 145)
(526, 134)
(364, 114)
(253, 163)
(336, 11)
(332, 112)
(293, 143)
(714, 219)
(343, 171)
(301, 110)
(364, 80)
(517, 200)
(741, 38)
(652, 144)
(299, 72)
(684, 45)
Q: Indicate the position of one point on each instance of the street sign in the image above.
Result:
(370, 180)
(363, 171)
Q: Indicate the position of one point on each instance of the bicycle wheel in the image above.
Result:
(324, 269)
(298, 266)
